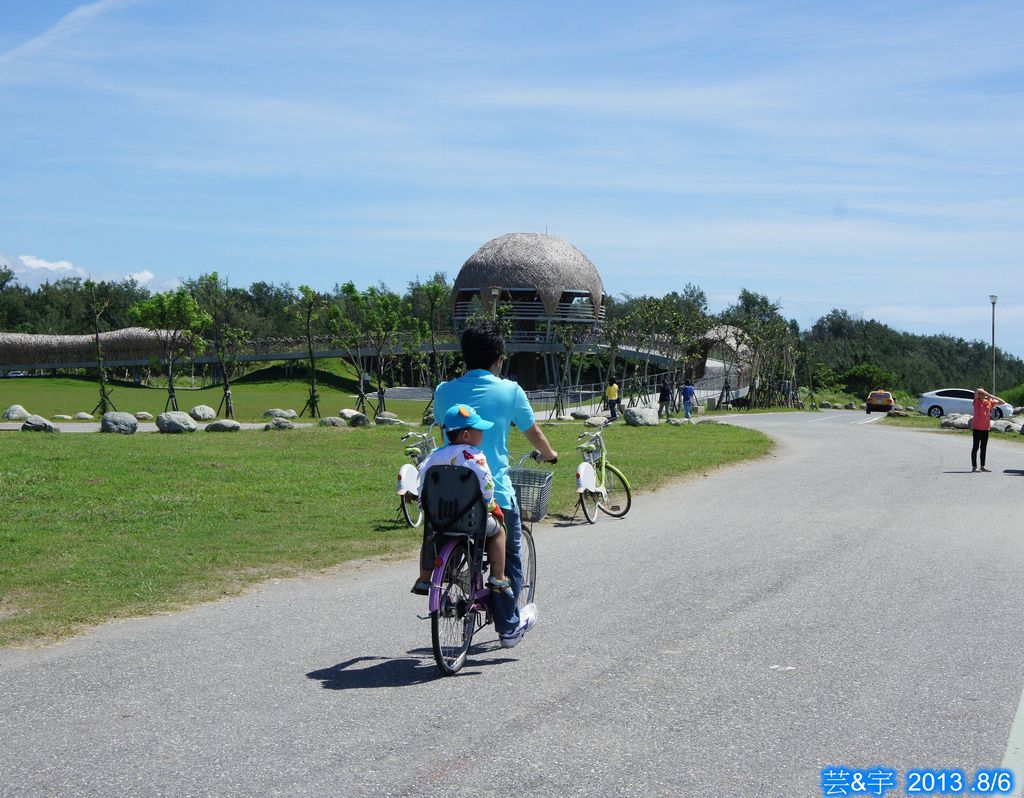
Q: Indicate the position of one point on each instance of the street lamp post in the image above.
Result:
(993, 298)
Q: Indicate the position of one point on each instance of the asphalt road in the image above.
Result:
(851, 600)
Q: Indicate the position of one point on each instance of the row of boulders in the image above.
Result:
(636, 417)
(19, 413)
(964, 421)
(176, 422)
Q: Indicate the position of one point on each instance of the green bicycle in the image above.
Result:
(601, 485)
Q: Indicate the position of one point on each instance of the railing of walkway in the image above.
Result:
(633, 392)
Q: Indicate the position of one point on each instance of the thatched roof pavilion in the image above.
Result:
(542, 278)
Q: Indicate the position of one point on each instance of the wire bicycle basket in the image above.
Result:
(533, 490)
(594, 456)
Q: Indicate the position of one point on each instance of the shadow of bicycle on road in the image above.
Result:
(368, 673)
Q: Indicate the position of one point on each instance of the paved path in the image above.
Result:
(852, 599)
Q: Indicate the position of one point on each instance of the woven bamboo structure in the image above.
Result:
(540, 278)
(539, 282)
(131, 343)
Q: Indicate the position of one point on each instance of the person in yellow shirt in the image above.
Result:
(611, 393)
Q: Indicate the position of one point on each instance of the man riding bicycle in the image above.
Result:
(504, 403)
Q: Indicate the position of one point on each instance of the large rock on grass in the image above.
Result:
(276, 424)
(957, 421)
(16, 413)
(333, 421)
(276, 412)
(120, 423)
(640, 417)
(142, 415)
(224, 425)
(203, 413)
(38, 424)
(83, 417)
(175, 422)
(389, 420)
(60, 417)
(595, 421)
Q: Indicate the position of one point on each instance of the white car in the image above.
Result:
(956, 400)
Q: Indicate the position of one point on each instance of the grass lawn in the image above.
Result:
(49, 396)
(106, 526)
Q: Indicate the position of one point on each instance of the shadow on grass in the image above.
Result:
(418, 668)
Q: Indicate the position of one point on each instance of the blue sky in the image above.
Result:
(856, 155)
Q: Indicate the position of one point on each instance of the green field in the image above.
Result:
(107, 526)
(49, 396)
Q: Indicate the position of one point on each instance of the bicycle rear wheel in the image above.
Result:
(453, 624)
(588, 501)
(528, 554)
(619, 498)
(411, 510)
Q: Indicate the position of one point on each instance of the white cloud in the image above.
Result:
(68, 26)
(142, 277)
(33, 270)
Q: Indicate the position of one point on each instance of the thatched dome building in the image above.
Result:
(541, 278)
(538, 281)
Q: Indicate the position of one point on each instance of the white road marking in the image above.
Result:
(868, 420)
(825, 418)
(1014, 756)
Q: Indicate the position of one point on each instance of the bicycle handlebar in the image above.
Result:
(534, 455)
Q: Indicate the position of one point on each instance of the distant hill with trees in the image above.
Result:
(842, 349)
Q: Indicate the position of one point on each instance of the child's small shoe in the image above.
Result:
(500, 586)
(421, 588)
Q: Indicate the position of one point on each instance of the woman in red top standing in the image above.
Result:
(981, 423)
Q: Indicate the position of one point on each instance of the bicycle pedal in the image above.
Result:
(614, 508)
(423, 617)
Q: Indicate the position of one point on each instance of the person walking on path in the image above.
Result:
(611, 394)
(664, 398)
(504, 403)
(981, 424)
(689, 397)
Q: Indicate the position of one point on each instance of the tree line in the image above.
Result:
(839, 351)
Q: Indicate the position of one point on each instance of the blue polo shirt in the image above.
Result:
(497, 400)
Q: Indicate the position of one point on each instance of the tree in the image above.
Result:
(428, 302)
(217, 300)
(771, 346)
(313, 311)
(176, 318)
(376, 317)
(867, 377)
(97, 307)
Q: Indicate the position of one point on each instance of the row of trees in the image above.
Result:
(207, 314)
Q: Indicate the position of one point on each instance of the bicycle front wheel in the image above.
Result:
(588, 501)
(453, 624)
(619, 499)
(528, 554)
(411, 510)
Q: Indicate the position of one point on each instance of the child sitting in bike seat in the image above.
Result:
(464, 428)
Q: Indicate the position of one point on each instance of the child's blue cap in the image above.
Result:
(463, 416)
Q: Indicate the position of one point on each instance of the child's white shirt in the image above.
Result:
(470, 457)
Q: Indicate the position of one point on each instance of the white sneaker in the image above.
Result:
(527, 619)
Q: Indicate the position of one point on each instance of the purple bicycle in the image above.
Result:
(459, 600)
